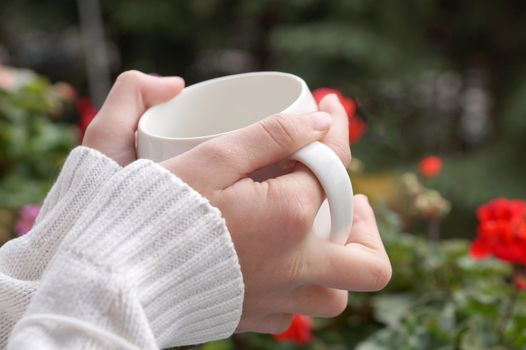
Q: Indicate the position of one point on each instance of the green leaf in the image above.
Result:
(391, 308)
(371, 345)
(479, 335)
(218, 345)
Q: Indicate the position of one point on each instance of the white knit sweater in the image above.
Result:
(119, 258)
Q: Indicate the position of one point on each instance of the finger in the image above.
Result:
(361, 265)
(130, 96)
(133, 93)
(338, 136)
(301, 183)
(296, 197)
(365, 230)
(316, 301)
(235, 155)
(271, 324)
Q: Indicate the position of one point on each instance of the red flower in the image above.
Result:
(357, 126)
(501, 231)
(299, 331)
(519, 282)
(430, 166)
(87, 113)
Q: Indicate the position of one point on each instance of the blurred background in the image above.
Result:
(431, 77)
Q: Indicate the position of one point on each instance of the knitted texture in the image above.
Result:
(23, 260)
(148, 259)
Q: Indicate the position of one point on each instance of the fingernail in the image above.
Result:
(320, 120)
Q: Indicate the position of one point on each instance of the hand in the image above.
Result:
(112, 132)
(285, 268)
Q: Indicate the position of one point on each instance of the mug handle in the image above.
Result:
(333, 177)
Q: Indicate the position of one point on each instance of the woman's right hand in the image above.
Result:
(286, 269)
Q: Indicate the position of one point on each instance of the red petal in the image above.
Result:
(349, 105)
(480, 249)
(519, 282)
(430, 166)
(508, 252)
(299, 331)
(357, 128)
(320, 93)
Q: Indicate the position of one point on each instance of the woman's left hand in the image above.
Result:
(113, 130)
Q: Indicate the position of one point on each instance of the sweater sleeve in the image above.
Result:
(149, 264)
(23, 260)
(84, 171)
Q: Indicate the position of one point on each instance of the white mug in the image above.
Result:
(215, 107)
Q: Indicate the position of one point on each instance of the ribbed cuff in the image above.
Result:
(83, 174)
(90, 296)
(172, 247)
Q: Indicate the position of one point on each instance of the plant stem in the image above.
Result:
(507, 313)
(433, 230)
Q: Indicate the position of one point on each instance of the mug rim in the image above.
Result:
(140, 126)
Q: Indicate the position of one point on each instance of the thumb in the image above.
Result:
(133, 93)
(361, 264)
(237, 154)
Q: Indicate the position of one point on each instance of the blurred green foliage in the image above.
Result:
(434, 76)
(32, 145)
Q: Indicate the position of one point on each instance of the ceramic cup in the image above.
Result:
(215, 107)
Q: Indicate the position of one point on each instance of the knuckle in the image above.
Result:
(279, 323)
(337, 304)
(248, 324)
(280, 129)
(223, 201)
(91, 129)
(129, 77)
(381, 272)
(94, 131)
(217, 154)
(300, 215)
(343, 152)
(296, 269)
(223, 155)
(296, 212)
